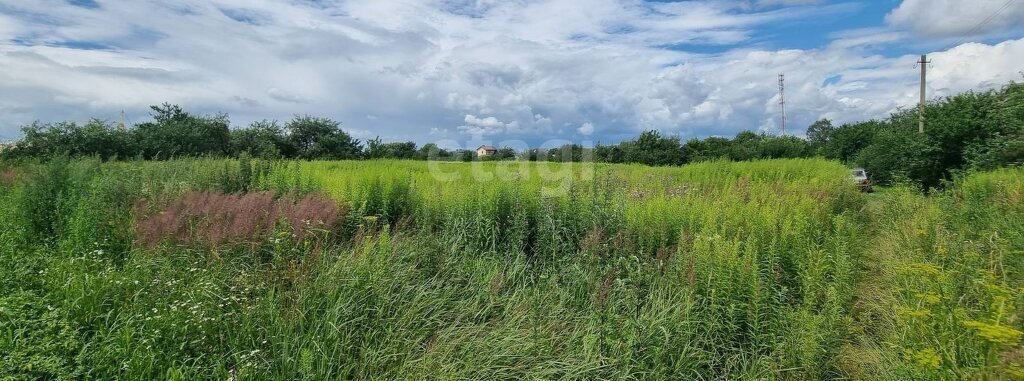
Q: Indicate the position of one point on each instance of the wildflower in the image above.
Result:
(996, 334)
(929, 298)
(925, 358)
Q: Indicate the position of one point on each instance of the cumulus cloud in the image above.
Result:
(945, 18)
(428, 70)
(486, 126)
(586, 129)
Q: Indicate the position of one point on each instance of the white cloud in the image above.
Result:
(945, 18)
(586, 129)
(486, 126)
(427, 70)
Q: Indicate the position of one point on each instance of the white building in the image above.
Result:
(485, 151)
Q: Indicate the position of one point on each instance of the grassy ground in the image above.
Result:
(410, 270)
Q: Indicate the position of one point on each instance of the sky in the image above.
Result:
(463, 72)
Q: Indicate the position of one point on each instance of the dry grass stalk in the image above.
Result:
(606, 287)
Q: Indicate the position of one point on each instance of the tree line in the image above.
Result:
(965, 132)
(971, 131)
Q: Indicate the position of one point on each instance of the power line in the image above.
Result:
(981, 24)
(924, 62)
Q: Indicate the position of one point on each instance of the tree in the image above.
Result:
(263, 139)
(779, 147)
(505, 153)
(711, 148)
(534, 154)
(375, 149)
(653, 149)
(849, 139)
(574, 153)
(465, 155)
(175, 132)
(745, 146)
(95, 138)
(896, 155)
(608, 154)
(819, 133)
(431, 151)
(320, 138)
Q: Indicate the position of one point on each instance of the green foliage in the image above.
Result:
(967, 132)
(947, 302)
(900, 155)
(746, 146)
(575, 270)
(820, 132)
(176, 133)
(653, 149)
(505, 153)
(774, 269)
(43, 200)
(97, 137)
(845, 142)
(262, 139)
(320, 138)
(568, 153)
(375, 149)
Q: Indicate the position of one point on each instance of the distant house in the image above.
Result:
(485, 151)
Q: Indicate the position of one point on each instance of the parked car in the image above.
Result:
(861, 179)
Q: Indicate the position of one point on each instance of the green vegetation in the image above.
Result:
(969, 132)
(778, 269)
(947, 289)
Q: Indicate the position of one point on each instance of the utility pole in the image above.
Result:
(924, 79)
(782, 100)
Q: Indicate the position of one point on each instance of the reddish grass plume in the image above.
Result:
(218, 219)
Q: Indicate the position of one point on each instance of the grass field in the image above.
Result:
(781, 269)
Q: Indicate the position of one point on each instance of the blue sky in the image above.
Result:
(518, 72)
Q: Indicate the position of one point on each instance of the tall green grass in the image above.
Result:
(483, 271)
(949, 284)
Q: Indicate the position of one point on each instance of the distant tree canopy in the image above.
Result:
(965, 132)
(653, 149)
(320, 138)
(174, 132)
(375, 149)
(262, 139)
